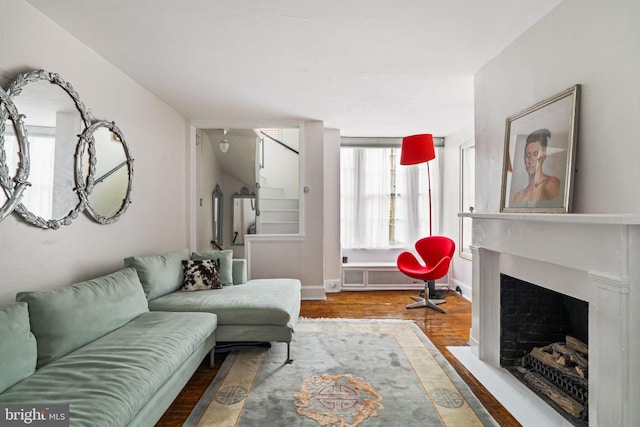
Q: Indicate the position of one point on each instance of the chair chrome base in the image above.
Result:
(421, 302)
(429, 288)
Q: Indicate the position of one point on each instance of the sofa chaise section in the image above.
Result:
(258, 310)
(254, 310)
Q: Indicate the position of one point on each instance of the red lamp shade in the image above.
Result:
(417, 149)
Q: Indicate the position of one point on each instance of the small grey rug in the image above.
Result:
(345, 373)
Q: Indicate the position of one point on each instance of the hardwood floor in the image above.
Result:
(450, 329)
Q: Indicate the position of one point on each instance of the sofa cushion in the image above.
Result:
(226, 263)
(239, 271)
(109, 380)
(201, 274)
(159, 274)
(257, 302)
(18, 352)
(67, 318)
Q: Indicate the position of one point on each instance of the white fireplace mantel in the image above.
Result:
(628, 219)
(592, 257)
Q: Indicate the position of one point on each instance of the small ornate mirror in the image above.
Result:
(105, 174)
(243, 222)
(217, 216)
(54, 118)
(14, 156)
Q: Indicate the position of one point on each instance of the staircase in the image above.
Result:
(278, 213)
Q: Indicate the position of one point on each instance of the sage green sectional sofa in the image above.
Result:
(119, 348)
(254, 310)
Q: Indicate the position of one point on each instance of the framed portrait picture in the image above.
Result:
(539, 155)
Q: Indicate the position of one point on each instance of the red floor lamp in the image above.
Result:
(436, 251)
(419, 149)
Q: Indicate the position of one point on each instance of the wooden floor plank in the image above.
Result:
(450, 329)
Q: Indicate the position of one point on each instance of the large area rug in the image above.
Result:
(345, 373)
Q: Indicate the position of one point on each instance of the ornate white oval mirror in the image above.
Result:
(14, 156)
(105, 174)
(54, 117)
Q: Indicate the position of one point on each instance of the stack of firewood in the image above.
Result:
(570, 359)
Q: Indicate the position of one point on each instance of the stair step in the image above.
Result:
(278, 215)
(271, 203)
(271, 192)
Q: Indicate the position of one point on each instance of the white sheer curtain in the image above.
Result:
(366, 218)
(412, 214)
(365, 187)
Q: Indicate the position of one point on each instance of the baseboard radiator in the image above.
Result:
(378, 277)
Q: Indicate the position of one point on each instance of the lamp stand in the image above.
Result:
(429, 186)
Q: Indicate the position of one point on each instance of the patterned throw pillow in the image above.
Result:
(201, 274)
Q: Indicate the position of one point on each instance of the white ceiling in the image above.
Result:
(366, 67)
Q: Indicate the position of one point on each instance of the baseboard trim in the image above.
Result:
(313, 293)
(466, 289)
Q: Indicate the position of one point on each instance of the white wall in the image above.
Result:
(460, 272)
(331, 174)
(591, 42)
(33, 258)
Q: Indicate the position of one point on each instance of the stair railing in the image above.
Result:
(274, 140)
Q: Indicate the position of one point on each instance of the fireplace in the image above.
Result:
(589, 258)
(543, 337)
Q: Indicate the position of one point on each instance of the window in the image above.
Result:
(383, 204)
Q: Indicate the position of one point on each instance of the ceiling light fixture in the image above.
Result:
(224, 144)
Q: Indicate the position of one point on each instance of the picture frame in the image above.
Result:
(539, 155)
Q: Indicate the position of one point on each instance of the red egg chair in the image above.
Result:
(436, 253)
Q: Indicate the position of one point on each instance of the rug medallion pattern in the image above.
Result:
(231, 395)
(447, 398)
(343, 400)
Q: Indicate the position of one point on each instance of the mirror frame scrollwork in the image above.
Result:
(85, 184)
(14, 90)
(13, 186)
(84, 181)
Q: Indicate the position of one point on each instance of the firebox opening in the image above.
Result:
(532, 316)
(534, 320)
